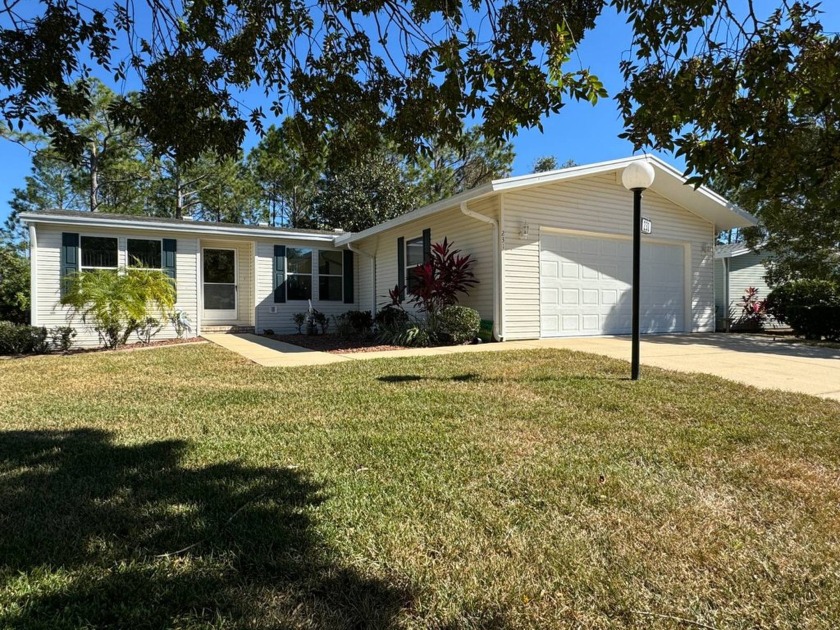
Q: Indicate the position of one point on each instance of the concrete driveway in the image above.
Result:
(750, 359)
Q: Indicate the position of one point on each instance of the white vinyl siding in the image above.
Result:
(48, 311)
(280, 320)
(466, 234)
(745, 271)
(595, 205)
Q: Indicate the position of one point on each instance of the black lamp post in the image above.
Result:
(637, 177)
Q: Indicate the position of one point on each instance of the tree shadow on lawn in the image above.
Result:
(94, 533)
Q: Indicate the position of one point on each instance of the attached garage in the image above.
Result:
(553, 251)
(586, 286)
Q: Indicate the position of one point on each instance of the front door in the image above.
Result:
(219, 277)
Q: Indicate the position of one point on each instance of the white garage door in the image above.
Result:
(585, 286)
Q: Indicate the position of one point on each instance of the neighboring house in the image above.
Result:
(552, 250)
(737, 268)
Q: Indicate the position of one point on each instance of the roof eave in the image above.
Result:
(187, 227)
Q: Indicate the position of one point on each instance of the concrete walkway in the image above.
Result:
(752, 360)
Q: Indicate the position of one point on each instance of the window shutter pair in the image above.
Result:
(69, 259)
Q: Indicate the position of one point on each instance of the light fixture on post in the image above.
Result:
(637, 177)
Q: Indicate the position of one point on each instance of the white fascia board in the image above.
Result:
(187, 227)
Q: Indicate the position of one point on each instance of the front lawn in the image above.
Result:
(184, 487)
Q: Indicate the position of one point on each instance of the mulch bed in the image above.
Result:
(141, 346)
(335, 344)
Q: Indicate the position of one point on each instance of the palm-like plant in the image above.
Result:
(117, 302)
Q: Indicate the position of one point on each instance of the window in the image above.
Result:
(330, 275)
(413, 259)
(98, 252)
(298, 273)
(144, 253)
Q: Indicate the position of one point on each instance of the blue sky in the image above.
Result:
(581, 131)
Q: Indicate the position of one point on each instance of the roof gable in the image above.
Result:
(668, 183)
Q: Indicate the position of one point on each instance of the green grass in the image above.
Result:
(520, 489)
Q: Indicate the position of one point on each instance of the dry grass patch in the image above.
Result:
(186, 487)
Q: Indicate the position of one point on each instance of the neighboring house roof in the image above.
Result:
(668, 182)
(141, 222)
(733, 250)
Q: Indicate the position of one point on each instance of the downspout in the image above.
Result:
(498, 329)
(33, 275)
(356, 250)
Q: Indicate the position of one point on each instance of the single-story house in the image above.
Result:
(552, 251)
(737, 268)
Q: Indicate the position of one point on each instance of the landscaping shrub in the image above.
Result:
(299, 319)
(391, 316)
(62, 337)
(753, 310)
(354, 324)
(458, 324)
(810, 307)
(414, 335)
(147, 329)
(118, 302)
(441, 278)
(23, 339)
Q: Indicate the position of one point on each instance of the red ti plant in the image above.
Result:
(440, 279)
(753, 309)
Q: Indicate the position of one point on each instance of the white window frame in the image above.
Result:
(408, 266)
(81, 252)
(128, 255)
(339, 275)
(311, 274)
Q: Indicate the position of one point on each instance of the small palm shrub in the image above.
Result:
(118, 303)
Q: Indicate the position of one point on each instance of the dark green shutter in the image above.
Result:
(170, 248)
(279, 273)
(69, 257)
(401, 265)
(427, 245)
(347, 269)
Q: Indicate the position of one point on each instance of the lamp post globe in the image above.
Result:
(637, 177)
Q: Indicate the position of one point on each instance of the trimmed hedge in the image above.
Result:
(23, 339)
(810, 307)
(458, 324)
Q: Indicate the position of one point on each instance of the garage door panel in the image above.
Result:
(586, 286)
